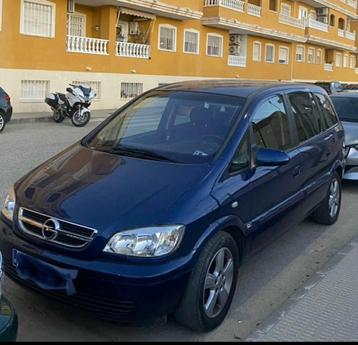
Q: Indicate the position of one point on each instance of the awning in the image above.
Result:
(137, 13)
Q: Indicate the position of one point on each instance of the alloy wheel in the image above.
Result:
(218, 282)
(334, 198)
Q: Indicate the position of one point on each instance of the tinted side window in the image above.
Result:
(270, 125)
(329, 115)
(307, 116)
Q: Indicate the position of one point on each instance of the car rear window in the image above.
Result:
(347, 108)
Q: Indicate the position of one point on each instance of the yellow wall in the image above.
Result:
(37, 53)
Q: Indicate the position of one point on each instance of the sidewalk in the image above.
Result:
(44, 117)
(325, 310)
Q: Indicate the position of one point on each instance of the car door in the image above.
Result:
(261, 195)
(314, 145)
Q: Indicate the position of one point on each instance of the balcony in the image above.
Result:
(315, 24)
(237, 61)
(133, 50)
(236, 5)
(298, 23)
(254, 10)
(87, 45)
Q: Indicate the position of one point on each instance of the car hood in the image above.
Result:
(107, 191)
(351, 132)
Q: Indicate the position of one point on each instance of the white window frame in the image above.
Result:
(345, 60)
(320, 60)
(340, 60)
(222, 44)
(352, 62)
(303, 53)
(287, 7)
(288, 55)
(172, 27)
(302, 9)
(259, 44)
(53, 18)
(273, 52)
(0, 15)
(77, 14)
(313, 51)
(197, 41)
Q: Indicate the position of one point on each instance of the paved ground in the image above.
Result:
(325, 310)
(266, 281)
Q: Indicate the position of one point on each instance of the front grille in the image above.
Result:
(103, 307)
(54, 230)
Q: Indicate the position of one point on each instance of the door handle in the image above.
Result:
(297, 171)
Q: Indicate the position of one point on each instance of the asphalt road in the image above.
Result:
(266, 280)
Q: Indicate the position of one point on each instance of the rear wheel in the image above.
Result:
(328, 212)
(81, 119)
(2, 122)
(211, 286)
(58, 117)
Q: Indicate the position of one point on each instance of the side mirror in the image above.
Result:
(269, 157)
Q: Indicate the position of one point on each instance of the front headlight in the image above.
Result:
(9, 206)
(146, 242)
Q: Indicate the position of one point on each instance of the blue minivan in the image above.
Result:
(150, 214)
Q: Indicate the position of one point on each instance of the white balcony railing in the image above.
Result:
(237, 5)
(315, 24)
(86, 45)
(356, 70)
(351, 35)
(133, 50)
(237, 61)
(254, 10)
(328, 67)
(341, 33)
(285, 19)
(352, 3)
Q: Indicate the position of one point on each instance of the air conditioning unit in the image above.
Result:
(323, 11)
(234, 50)
(134, 28)
(234, 39)
(71, 6)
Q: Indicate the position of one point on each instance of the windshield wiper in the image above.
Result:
(140, 153)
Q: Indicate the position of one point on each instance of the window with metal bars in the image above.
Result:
(215, 45)
(191, 42)
(76, 25)
(167, 38)
(38, 18)
(34, 90)
(131, 90)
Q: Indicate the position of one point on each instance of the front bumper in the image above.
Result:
(8, 321)
(351, 170)
(109, 290)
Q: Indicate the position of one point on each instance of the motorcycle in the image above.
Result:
(74, 104)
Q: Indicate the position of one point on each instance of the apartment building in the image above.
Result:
(124, 47)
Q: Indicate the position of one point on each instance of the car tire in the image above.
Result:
(214, 280)
(2, 122)
(329, 210)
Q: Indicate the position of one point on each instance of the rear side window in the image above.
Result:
(328, 113)
(347, 108)
(270, 125)
(306, 114)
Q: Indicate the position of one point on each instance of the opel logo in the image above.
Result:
(50, 229)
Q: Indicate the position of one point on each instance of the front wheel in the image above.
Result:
(81, 118)
(328, 211)
(211, 286)
(2, 122)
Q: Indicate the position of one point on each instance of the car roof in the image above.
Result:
(352, 94)
(239, 88)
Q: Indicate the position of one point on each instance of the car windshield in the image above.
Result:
(347, 108)
(187, 127)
